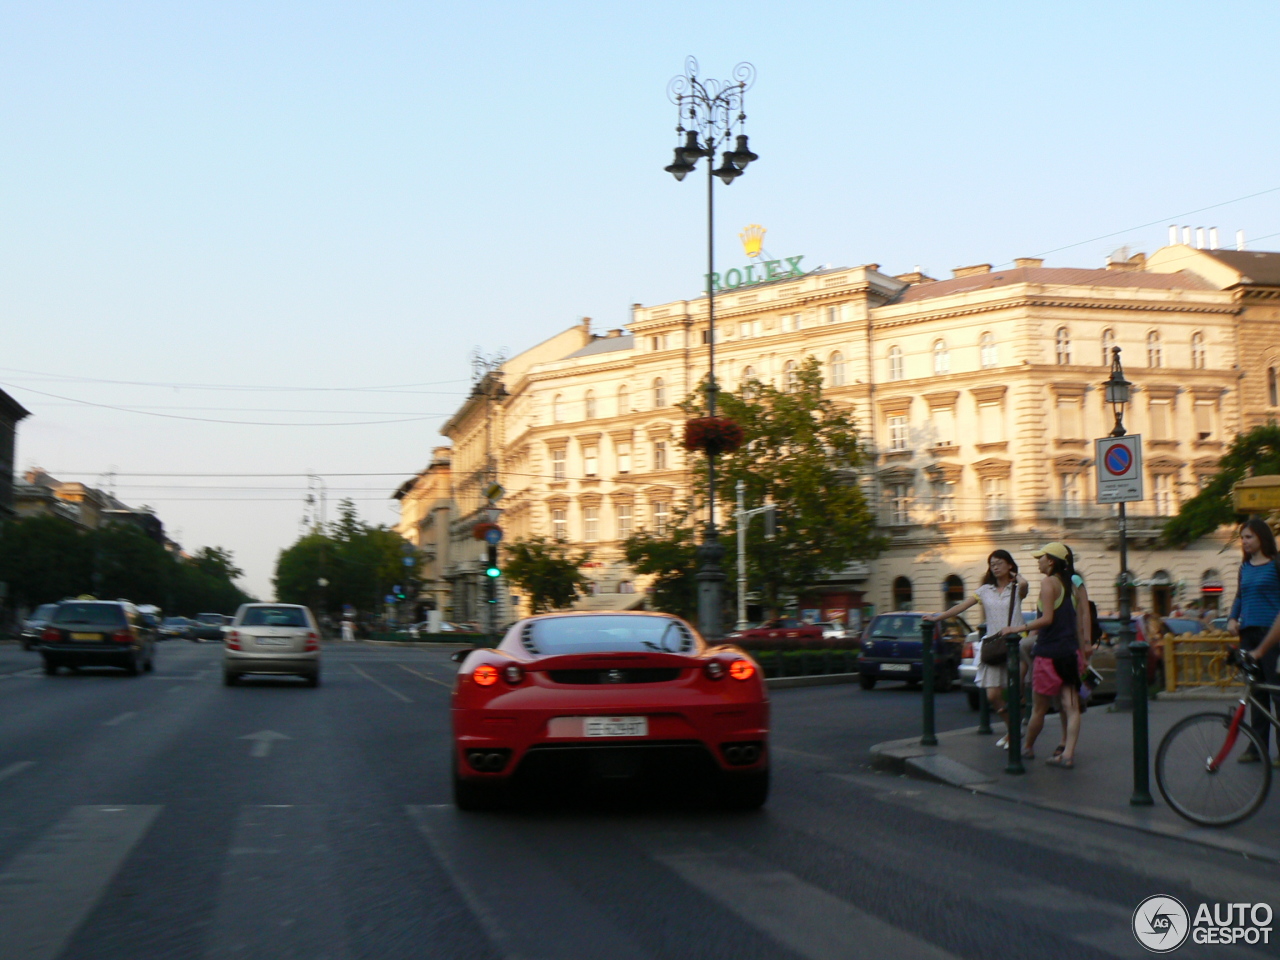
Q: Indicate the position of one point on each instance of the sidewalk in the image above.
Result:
(1097, 789)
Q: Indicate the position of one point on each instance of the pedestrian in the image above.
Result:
(1057, 650)
(1001, 594)
(1255, 609)
(348, 631)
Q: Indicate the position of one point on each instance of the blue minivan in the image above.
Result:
(891, 650)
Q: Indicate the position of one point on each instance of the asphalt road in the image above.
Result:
(167, 816)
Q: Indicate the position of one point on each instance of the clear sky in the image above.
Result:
(292, 198)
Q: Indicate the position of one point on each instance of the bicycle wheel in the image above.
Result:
(1211, 798)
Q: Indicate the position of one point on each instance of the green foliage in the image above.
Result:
(546, 572)
(1252, 454)
(45, 559)
(672, 561)
(361, 563)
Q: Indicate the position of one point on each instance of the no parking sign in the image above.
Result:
(1119, 465)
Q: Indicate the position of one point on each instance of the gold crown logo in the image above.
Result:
(752, 239)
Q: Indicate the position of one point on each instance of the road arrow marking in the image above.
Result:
(262, 741)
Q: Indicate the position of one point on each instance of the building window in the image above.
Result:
(591, 524)
(1198, 355)
(1203, 480)
(833, 314)
(744, 329)
(790, 378)
(1069, 484)
(1155, 355)
(623, 451)
(1204, 419)
(944, 501)
(591, 460)
(898, 433)
(706, 335)
(1159, 413)
(990, 422)
(623, 513)
(1070, 426)
(589, 405)
(659, 393)
(902, 593)
(1062, 347)
(995, 500)
(624, 401)
(895, 363)
(952, 591)
(660, 455)
(1108, 343)
(941, 358)
(626, 586)
(899, 495)
(559, 525)
(944, 426)
(989, 355)
(791, 323)
(557, 464)
(660, 342)
(1273, 388)
(661, 517)
(1162, 493)
(557, 409)
(837, 369)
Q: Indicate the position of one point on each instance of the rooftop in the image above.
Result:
(604, 345)
(1065, 276)
(1257, 266)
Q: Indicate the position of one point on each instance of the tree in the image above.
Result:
(671, 559)
(1256, 453)
(546, 572)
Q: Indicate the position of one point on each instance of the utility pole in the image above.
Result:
(744, 516)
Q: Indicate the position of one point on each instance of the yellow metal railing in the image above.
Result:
(1198, 660)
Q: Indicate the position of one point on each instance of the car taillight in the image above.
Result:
(512, 673)
(313, 641)
(233, 639)
(122, 636)
(967, 650)
(485, 675)
(742, 670)
(714, 670)
(51, 634)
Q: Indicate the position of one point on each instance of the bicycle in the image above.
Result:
(1197, 768)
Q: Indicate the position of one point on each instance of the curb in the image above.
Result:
(908, 758)
(421, 644)
(813, 680)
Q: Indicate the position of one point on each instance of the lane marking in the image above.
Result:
(49, 888)
(447, 686)
(116, 721)
(379, 683)
(262, 741)
(23, 674)
(804, 918)
(16, 768)
(515, 895)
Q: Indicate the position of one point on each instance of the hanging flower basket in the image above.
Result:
(712, 435)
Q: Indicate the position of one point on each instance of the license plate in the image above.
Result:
(86, 636)
(615, 727)
(271, 642)
(895, 667)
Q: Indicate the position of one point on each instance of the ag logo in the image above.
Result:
(1161, 924)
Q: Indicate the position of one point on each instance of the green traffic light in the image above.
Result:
(493, 572)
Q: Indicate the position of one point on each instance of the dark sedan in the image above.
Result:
(892, 650)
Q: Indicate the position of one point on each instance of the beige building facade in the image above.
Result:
(427, 509)
(978, 398)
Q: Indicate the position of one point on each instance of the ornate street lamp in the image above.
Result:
(709, 113)
(1117, 392)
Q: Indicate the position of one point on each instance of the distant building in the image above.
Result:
(426, 515)
(39, 494)
(11, 412)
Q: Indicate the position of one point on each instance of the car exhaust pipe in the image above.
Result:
(487, 761)
(750, 754)
(733, 754)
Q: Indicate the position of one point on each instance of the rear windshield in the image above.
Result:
(274, 617)
(44, 611)
(95, 614)
(899, 628)
(210, 618)
(607, 635)
(175, 621)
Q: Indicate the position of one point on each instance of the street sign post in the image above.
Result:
(1118, 461)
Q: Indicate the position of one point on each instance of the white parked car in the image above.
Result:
(272, 638)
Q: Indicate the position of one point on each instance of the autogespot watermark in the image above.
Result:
(1162, 924)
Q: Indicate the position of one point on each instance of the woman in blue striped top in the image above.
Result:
(1255, 609)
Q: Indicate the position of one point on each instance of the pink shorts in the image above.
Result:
(1045, 679)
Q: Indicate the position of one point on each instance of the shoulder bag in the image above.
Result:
(995, 649)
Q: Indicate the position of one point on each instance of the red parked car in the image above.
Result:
(617, 696)
(788, 631)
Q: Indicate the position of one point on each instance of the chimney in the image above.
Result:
(1213, 238)
(916, 276)
(1186, 235)
(973, 271)
(1024, 262)
(1199, 238)
(1173, 234)
(586, 327)
(1239, 239)
(614, 333)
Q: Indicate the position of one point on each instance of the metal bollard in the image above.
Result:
(928, 738)
(984, 712)
(1014, 706)
(1141, 736)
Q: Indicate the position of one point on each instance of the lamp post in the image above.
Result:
(1117, 394)
(708, 114)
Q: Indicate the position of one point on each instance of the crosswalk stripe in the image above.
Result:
(804, 918)
(15, 768)
(59, 878)
(514, 895)
(278, 895)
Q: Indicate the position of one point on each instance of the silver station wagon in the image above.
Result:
(272, 638)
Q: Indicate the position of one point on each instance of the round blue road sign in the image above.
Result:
(1118, 460)
(493, 535)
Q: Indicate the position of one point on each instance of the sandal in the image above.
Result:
(1058, 750)
(1028, 755)
(1060, 761)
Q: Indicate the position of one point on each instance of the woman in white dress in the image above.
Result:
(1003, 587)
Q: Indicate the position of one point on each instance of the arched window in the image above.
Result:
(901, 593)
(659, 393)
(987, 349)
(895, 363)
(1062, 347)
(1108, 342)
(589, 405)
(624, 401)
(941, 358)
(1155, 355)
(837, 369)
(626, 586)
(1198, 355)
(748, 378)
(952, 591)
(1273, 388)
(790, 379)
(557, 409)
